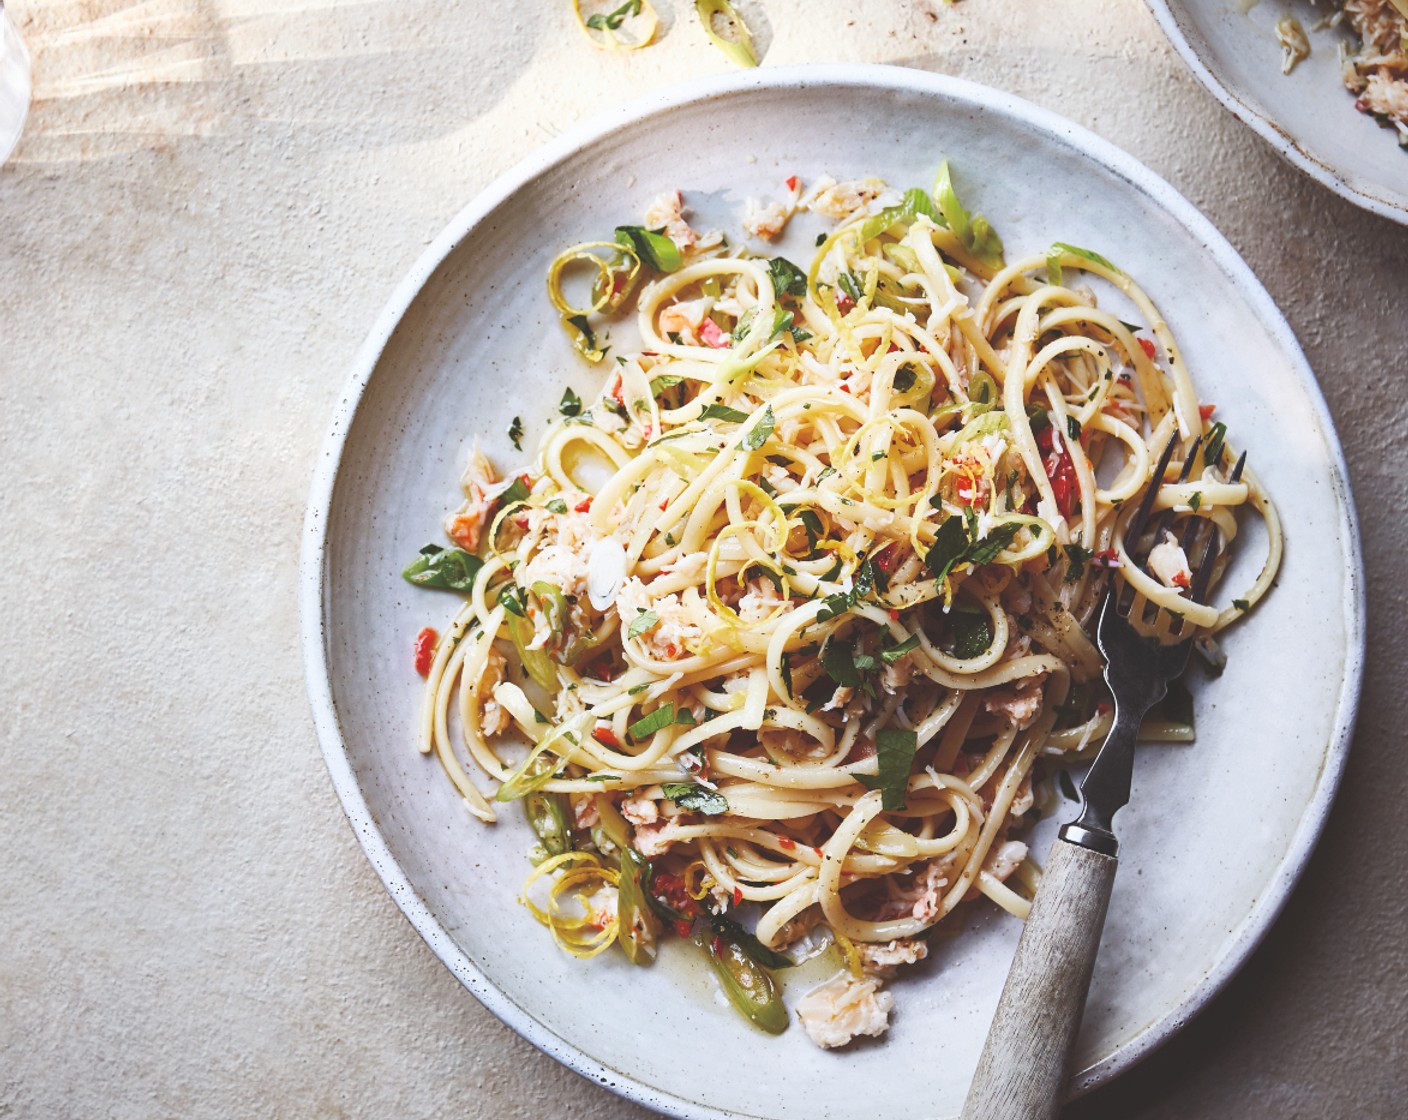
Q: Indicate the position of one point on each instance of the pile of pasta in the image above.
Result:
(786, 617)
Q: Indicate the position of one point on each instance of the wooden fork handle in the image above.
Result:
(1025, 1063)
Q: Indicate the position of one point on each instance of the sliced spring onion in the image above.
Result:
(638, 926)
(547, 815)
(747, 983)
(604, 30)
(1060, 249)
(536, 661)
(915, 203)
(735, 42)
(973, 230)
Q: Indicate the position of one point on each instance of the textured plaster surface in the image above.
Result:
(212, 201)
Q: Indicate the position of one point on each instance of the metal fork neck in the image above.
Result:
(1096, 839)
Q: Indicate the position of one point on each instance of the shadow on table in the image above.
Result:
(116, 76)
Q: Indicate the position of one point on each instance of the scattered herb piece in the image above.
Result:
(1212, 452)
(514, 600)
(450, 569)
(723, 412)
(652, 246)
(894, 653)
(787, 279)
(570, 405)
(515, 432)
(1077, 556)
(970, 632)
(660, 718)
(894, 749)
(759, 433)
(695, 798)
(641, 623)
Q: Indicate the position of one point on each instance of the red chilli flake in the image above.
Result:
(737, 896)
(425, 650)
(584, 505)
(683, 928)
(786, 843)
(894, 614)
(603, 734)
(791, 182)
(1062, 472)
(1147, 347)
(1206, 411)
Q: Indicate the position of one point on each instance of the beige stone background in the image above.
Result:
(211, 203)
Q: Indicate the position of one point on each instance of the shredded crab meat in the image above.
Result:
(1005, 858)
(584, 811)
(921, 898)
(640, 810)
(840, 200)
(884, 960)
(667, 213)
(494, 718)
(1377, 71)
(685, 319)
(1020, 703)
(653, 840)
(481, 488)
(1169, 563)
(678, 630)
(845, 1008)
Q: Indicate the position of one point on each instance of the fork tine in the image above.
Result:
(1236, 475)
(1136, 523)
(1202, 573)
(1166, 518)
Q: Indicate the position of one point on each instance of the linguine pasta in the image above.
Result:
(788, 617)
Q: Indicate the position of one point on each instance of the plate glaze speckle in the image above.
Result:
(1216, 832)
(1307, 115)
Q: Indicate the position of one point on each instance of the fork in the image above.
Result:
(1025, 1063)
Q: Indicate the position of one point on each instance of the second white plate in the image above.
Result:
(1307, 115)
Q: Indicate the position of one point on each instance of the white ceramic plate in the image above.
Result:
(1307, 115)
(1216, 832)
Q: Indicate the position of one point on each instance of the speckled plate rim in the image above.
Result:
(314, 637)
(1274, 134)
